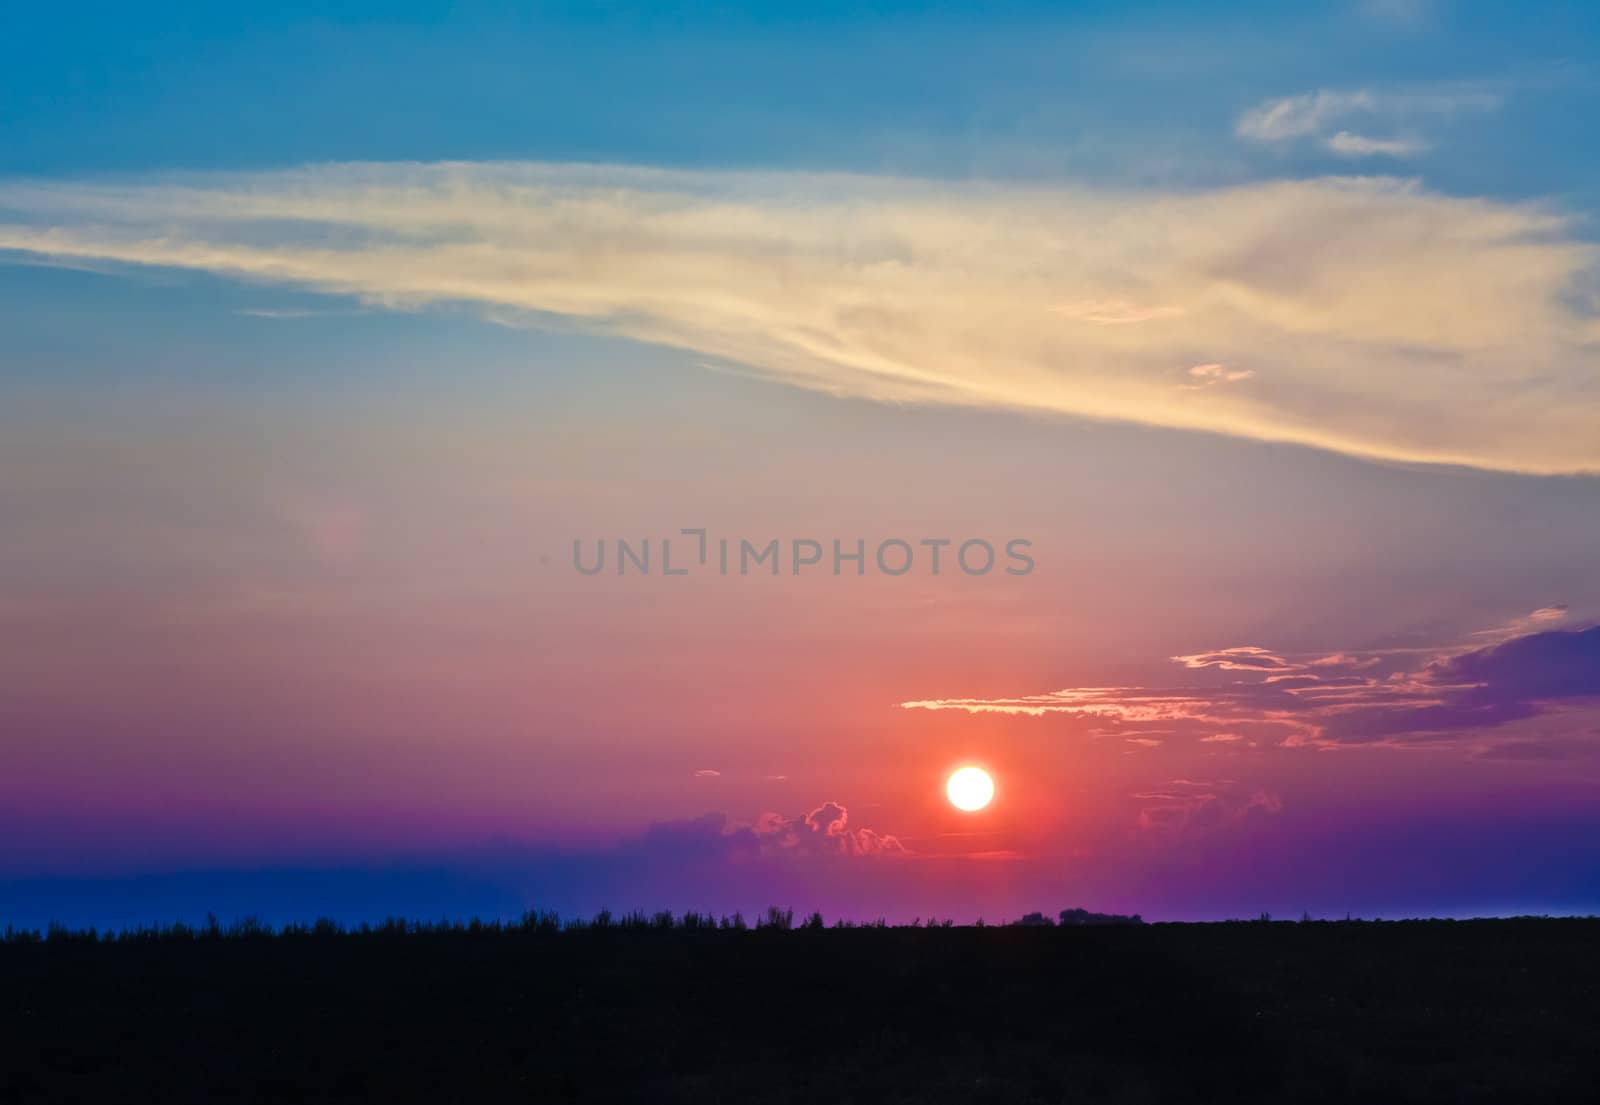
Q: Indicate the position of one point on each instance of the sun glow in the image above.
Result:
(970, 788)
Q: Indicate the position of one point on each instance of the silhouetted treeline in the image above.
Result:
(671, 1008)
(549, 922)
(1078, 917)
(540, 921)
(544, 922)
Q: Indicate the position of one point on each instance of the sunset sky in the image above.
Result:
(1273, 330)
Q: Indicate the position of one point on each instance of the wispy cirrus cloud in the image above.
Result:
(1328, 118)
(1350, 144)
(284, 313)
(1341, 699)
(1243, 658)
(1379, 319)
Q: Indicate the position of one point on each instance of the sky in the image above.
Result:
(1240, 366)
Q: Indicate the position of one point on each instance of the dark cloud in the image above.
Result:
(822, 833)
(1361, 724)
(1343, 698)
(699, 838)
(1555, 664)
(1488, 687)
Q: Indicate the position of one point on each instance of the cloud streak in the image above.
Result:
(1344, 699)
(1324, 118)
(1367, 316)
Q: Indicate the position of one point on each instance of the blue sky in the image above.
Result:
(1146, 93)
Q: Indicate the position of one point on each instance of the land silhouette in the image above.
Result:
(694, 1008)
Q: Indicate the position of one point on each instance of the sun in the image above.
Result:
(970, 788)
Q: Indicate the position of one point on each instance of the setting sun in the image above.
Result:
(970, 788)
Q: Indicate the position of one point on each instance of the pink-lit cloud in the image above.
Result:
(825, 831)
(1338, 699)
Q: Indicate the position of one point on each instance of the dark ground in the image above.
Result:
(1501, 1011)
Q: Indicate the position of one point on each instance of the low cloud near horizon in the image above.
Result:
(1368, 316)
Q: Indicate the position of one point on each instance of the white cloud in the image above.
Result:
(1321, 117)
(1379, 319)
(1302, 116)
(1358, 145)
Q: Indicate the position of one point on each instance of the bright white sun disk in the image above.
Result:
(970, 788)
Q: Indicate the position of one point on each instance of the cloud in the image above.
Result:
(1550, 665)
(1185, 805)
(825, 831)
(282, 313)
(1342, 699)
(1210, 375)
(707, 773)
(1549, 613)
(1359, 145)
(1343, 660)
(1319, 118)
(1380, 319)
(828, 819)
(1543, 618)
(1301, 116)
(1241, 658)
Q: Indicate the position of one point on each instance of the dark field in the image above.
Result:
(1497, 1011)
